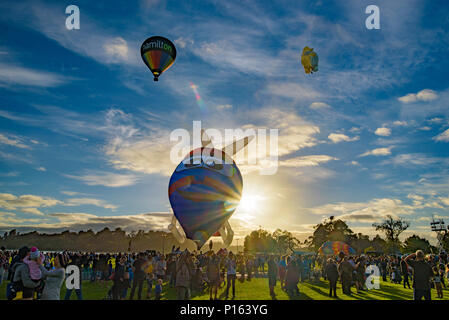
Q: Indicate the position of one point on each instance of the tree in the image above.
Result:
(359, 242)
(263, 241)
(392, 229)
(284, 241)
(446, 241)
(415, 242)
(329, 230)
(378, 244)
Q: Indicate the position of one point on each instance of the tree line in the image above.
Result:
(279, 241)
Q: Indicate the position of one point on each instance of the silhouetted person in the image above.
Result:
(331, 272)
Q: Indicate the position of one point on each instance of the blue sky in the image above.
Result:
(84, 130)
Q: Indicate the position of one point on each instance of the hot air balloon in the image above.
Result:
(204, 191)
(335, 247)
(158, 53)
(309, 60)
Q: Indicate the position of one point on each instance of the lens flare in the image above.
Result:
(198, 98)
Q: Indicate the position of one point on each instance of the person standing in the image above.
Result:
(139, 276)
(345, 269)
(292, 277)
(282, 269)
(383, 268)
(53, 278)
(360, 273)
(404, 271)
(213, 275)
(272, 276)
(21, 279)
(149, 275)
(231, 274)
(437, 282)
(183, 277)
(120, 279)
(161, 267)
(331, 272)
(422, 274)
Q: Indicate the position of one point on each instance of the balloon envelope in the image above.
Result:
(158, 53)
(309, 60)
(204, 192)
(335, 247)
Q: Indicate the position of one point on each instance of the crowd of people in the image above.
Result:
(40, 275)
(426, 272)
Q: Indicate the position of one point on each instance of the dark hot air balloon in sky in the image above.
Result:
(158, 53)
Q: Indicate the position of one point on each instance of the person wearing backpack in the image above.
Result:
(21, 280)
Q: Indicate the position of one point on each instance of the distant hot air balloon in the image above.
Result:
(158, 53)
(309, 60)
(204, 192)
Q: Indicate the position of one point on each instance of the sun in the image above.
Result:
(250, 203)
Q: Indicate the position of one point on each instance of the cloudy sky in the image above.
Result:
(84, 130)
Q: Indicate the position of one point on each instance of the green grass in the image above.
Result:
(257, 289)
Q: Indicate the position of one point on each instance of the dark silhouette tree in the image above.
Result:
(392, 228)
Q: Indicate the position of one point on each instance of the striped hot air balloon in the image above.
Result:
(158, 53)
(204, 191)
(204, 195)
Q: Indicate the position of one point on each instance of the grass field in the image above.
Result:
(257, 289)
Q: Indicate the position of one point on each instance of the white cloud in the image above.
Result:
(116, 49)
(224, 107)
(385, 132)
(12, 141)
(236, 51)
(371, 211)
(400, 123)
(445, 200)
(415, 197)
(414, 159)
(106, 179)
(11, 202)
(355, 129)
(72, 193)
(307, 161)
(89, 201)
(34, 211)
(183, 42)
(76, 221)
(319, 105)
(42, 169)
(423, 95)
(339, 137)
(15, 75)
(444, 136)
(435, 120)
(293, 91)
(377, 152)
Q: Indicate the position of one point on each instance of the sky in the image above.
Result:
(85, 131)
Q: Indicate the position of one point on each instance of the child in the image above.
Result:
(31, 261)
(437, 282)
(35, 272)
(158, 289)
